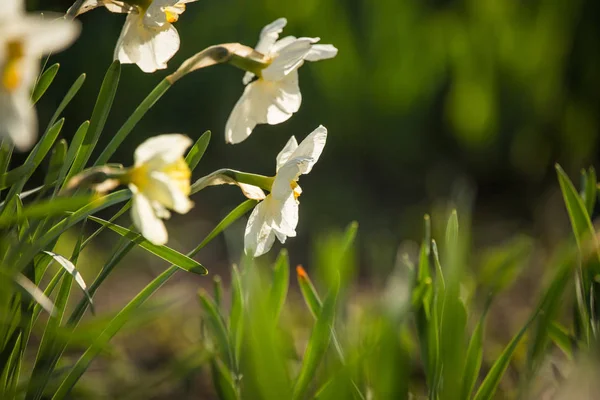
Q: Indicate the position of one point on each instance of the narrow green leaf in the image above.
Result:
(17, 177)
(99, 115)
(550, 305)
(474, 357)
(126, 313)
(217, 325)
(67, 171)
(422, 297)
(490, 383)
(35, 293)
(132, 121)
(589, 191)
(57, 158)
(44, 360)
(113, 327)
(237, 212)
(122, 248)
(70, 268)
(67, 99)
(166, 253)
(281, 281)
(561, 337)
(236, 316)
(317, 345)
(79, 215)
(311, 297)
(223, 380)
(218, 290)
(6, 148)
(580, 219)
(439, 278)
(197, 151)
(44, 82)
(43, 209)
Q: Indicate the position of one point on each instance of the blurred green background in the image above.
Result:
(423, 94)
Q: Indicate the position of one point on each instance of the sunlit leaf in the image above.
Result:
(166, 253)
(44, 82)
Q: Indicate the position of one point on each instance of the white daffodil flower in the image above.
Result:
(275, 95)
(23, 40)
(277, 215)
(148, 38)
(159, 180)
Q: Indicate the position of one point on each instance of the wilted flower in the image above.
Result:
(148, 38)
(277, 214)
(275, 95)
(23, 40)
(159, 180)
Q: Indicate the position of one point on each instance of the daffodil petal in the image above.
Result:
(286, 177)
(289, 59)
(286, 152)
(269, 35)
(149, 48)
(168, 148)
(259, 236)
(249, 111)
(19, 121)
(282, 43)
(285, 220)
(165, 191)
(311, 147)
(321, 52)
(146, 221)
(155, 15)
(11, 7)
(40, 36)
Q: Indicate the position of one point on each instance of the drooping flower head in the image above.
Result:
(148, 38)
(159, 181)
(23, 40)
(277, 215)
(275, 95)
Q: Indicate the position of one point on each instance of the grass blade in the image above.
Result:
(490, 383)
(44, 82)
(217, 325)
(132, 121)
(197, 151)
(223, 381)
(70, 268)
(166, 253)
(67, 171)
(236, 316)
(474, 357)
(16, 178)
(45, 208)
(113, 327)
(580, 219)
(311, 297)
(317, 345)
(590, 190)
(67, 99)
(281, 281)
(126, 313)
(99, 115)
(237, 212)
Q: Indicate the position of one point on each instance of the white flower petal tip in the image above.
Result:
(275, 96)
(24, 39)
(277, 215)
(159, 181)
(148, 37)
